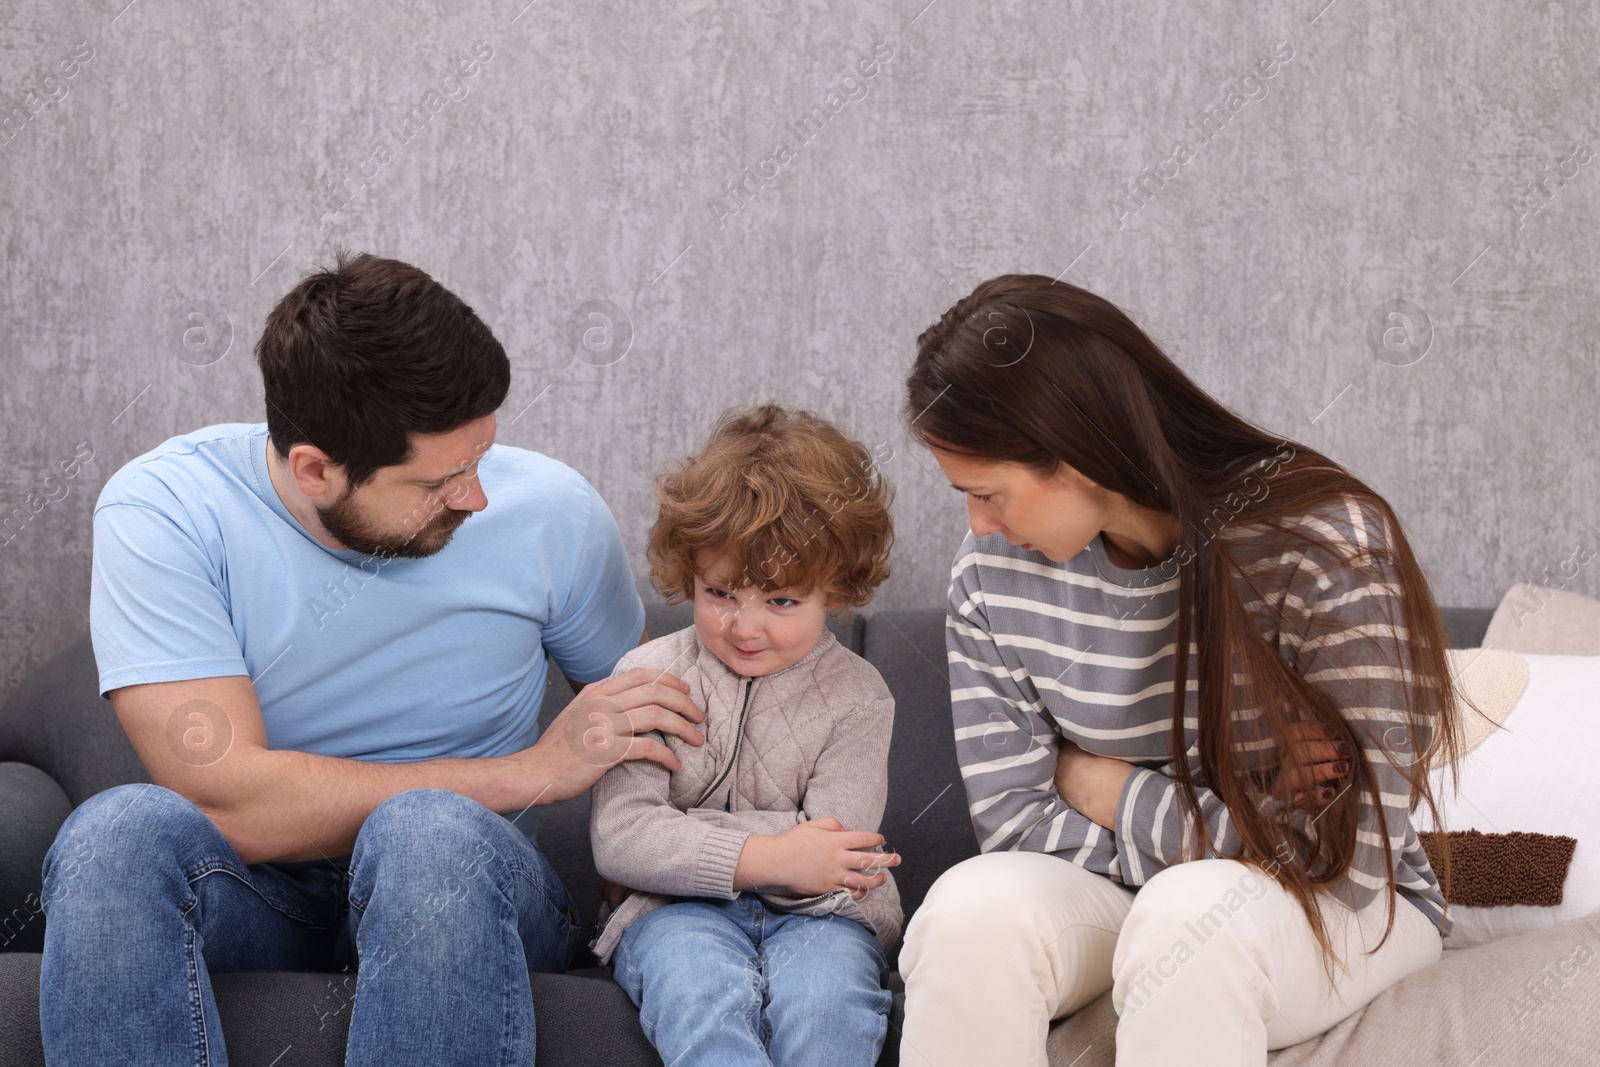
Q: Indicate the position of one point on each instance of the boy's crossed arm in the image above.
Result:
(641, 841)
(813, 859)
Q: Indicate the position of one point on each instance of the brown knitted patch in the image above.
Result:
(1491, 870)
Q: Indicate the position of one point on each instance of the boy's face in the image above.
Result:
(755, 633)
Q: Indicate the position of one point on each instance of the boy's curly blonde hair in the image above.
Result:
(786, 499)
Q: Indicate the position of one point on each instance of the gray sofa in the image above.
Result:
(60, 743)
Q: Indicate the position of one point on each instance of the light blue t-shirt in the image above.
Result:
(200, 571)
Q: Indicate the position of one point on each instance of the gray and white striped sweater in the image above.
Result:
(1085, 650)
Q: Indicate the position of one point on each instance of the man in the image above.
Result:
(329, 653)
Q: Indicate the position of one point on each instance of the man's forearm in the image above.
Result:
(299, 806)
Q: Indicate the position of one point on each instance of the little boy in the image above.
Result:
(759, 919)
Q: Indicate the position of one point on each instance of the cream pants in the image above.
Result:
(1210, 962)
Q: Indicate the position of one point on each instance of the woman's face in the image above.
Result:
(1057, 515)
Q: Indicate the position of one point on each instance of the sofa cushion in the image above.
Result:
(582, 1018)
(304, 1018)
(926, 818)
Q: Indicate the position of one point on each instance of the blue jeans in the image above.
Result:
(445, 906)
(722, 982)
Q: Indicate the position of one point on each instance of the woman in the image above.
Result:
(1233, 858)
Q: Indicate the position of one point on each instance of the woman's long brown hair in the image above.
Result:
(1039, 373)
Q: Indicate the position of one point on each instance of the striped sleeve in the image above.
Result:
(1344, 632)
(1005, 744)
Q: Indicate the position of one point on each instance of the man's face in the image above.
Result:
(411, 510)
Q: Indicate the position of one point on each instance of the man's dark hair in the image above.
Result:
(356, 358)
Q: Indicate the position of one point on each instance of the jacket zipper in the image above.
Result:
(738, 739)
(808, 901)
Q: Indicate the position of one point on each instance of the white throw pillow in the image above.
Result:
(1536, 775)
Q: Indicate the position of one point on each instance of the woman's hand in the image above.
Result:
(1315, 766)
(1090, 784)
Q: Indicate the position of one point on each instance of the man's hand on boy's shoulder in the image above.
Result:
(607, 723)
(644, 639)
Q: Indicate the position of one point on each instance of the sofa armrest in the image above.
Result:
(35, 808)
(56, 720)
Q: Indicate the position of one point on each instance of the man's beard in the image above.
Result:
(350, 528)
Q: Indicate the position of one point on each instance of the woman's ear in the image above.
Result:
(1071, 477)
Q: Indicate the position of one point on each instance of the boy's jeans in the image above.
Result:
(445, 904)
(724, 982)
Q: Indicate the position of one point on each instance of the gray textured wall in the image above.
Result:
(203, 155)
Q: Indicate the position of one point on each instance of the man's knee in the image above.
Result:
(434, 834)
(138, 820)
(438, 816)
(126, 833)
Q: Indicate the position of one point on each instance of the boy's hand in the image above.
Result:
(821, 856)
(614, 894)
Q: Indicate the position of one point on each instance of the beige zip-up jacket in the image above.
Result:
(807, 741)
